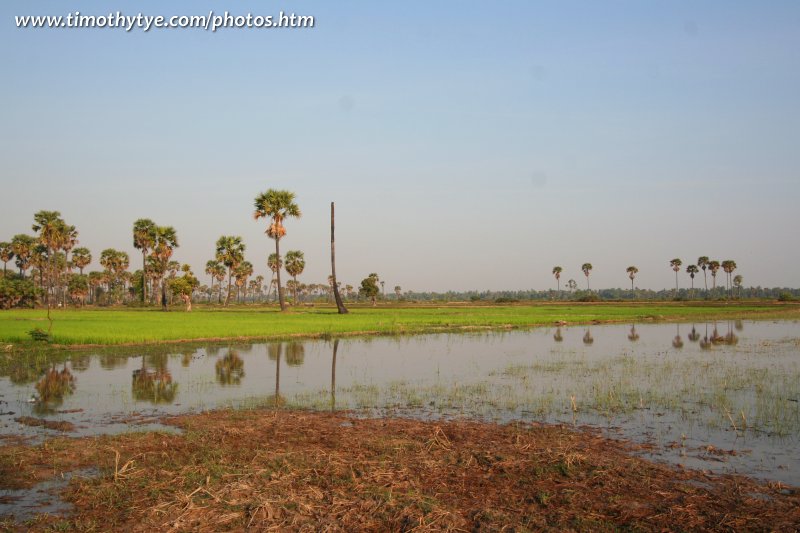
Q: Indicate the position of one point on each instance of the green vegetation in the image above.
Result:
(139, 326)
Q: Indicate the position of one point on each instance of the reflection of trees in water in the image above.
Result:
(730, 337)
(295, 353)
(557, 335)
(52, 388)
(213, 349)
(632, 335)
(274, 352)
(693, 335)
(677, 341)
(587, 337)
(739, 325)
(230, 369)
(111, 361)
(154, 386)
(80, 363)
(333, 374)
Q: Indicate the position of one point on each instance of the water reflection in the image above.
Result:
(154, 386)
(333, 374)
(587, 337)
(230, 369)
(274, 353)
(52, 388)
(633, 336)
(295, 353)
(677, 341)
(693, 336)
(557, 335)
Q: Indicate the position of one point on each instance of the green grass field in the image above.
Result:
(141, 326)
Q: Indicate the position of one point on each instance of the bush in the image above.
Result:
(786, 296)
(16, 292)
(505, 300)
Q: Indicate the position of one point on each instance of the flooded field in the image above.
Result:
(719, 396)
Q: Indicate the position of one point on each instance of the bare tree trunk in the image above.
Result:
(278, 274)
(164, 294)
(144, 277)
(339, 304)
(228, 295)
(188, 301)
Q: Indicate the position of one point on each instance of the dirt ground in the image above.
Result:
(266, 470)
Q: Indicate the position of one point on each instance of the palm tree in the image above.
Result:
(81, 257)
(729, 265)
(557, 273)
(737, 281)
(144, 238)
(6, 254)
(397, 290)
(230, 252)
(692, 270)
(572, 285)
(702, 262)
(22, 245)
(166, 240)
(586, 267)
(295, 264)
(211, 267)
(54, 235)
(243, 271)
(277, 206)
(632, 271)
(676, 266)
(340, 308)
(713, 266)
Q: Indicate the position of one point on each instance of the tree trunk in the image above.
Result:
(144, 276)
(339, 304)
(278, 274)
(164, 294)
(228, 295)
(188, 301)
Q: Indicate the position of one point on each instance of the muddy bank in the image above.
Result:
(231, 470)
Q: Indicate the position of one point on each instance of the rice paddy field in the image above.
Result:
(141, 326)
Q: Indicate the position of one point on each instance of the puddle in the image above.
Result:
(43, 498)
(716, 396)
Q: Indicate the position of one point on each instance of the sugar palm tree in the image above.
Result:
(230, 252)
(729, 265)
(242, 272)
(586, 267)
(6, 254)
(692, 270)
(277, 206)
(274, 264)
(632, 271)
(713, 266)
(557, 273)
(676, 266)
(165, 242)
(295, 264)
(737, 281)
(54, 234)
(211, 266)
(22, 245)
(702, 262)
(81, 257)
(144, 237)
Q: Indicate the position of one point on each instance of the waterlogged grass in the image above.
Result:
(142, 326)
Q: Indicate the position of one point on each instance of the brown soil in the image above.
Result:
(275, 470)
(48, 424)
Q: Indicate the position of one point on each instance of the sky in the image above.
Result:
(467, 145)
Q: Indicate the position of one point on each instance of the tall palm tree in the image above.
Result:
(23, 247)
(242, 272)
(277, 206)
(557, 270)
(692, 270)
(144, 238)
(295, 264)
(729, 265)
(676, 266)
(81, 257)
(713, 266)
(6, 254)
(632, 271)
(166, 240)
(737, 281)
(219, 273)
(586, 267)
(230, 252)
(54, 234)
(702, 262)
(211, 265)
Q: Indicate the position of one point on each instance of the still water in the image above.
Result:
(719, 396)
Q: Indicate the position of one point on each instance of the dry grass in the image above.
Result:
(268, 470)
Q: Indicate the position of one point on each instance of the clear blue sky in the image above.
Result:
(467, 145)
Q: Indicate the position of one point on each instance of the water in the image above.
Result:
(718, 396)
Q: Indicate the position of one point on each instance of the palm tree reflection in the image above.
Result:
(557, 336)
(274, 352)
(154, 386)
(633, 336)
(333, 374)
(52, 388)
(230, 369)
(587, 337)
(677, 341)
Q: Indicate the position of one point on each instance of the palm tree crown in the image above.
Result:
(276, 205)
(586, 267)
